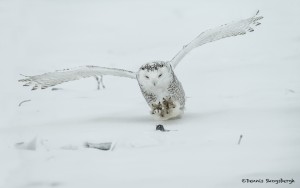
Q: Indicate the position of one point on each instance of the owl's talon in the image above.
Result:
(164, 107)
(167, 104)
(157, 108)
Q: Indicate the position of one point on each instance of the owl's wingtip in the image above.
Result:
(256, 14)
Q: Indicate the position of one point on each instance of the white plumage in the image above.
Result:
(157, 80)
(54, 78)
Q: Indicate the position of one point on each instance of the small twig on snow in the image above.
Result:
(24, 102)
(100, 83)
(241, 136)
(56, 89)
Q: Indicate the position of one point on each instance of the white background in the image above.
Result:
(247, 85)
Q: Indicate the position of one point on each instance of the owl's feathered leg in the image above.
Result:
(163, 108)
(99, 80)
(168, 104)
(156, 108)
(167, 109)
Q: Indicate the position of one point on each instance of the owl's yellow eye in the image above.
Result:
(147, 77)
(159, 75)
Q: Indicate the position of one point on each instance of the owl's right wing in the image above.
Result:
(228, 30)
(46, 80)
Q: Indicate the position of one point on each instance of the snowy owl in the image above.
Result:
(157, 80)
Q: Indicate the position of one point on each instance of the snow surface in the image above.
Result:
(247, 85)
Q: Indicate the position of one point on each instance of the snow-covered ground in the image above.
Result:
(247, 85)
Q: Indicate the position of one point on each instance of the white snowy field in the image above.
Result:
(247, 85)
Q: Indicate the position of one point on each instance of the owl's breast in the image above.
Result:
(161, 93)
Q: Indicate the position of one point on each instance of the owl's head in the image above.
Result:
(155, 75)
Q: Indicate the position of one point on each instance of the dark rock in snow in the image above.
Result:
(160, 128)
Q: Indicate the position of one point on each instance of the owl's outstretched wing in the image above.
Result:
(46, 80)
(228, 30)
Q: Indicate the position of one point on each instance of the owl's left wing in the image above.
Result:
(228, 30)
(46, 80)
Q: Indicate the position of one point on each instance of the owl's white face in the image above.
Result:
(155, 77)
